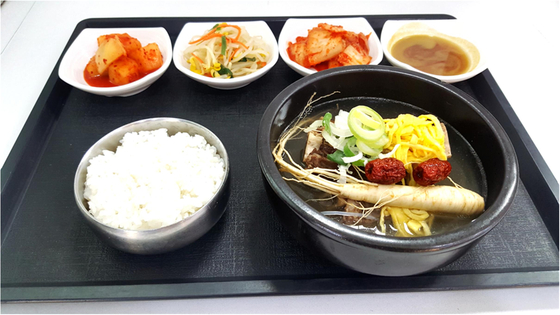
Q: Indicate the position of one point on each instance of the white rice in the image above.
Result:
(152, 180)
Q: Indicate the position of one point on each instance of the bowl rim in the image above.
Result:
(386, 37)
(344, 234)
(177, 55)
(126, 88)
(282, 40)
(84, 162)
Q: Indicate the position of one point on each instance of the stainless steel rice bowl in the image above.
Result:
(167, 238)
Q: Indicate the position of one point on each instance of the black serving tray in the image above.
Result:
(49, 253)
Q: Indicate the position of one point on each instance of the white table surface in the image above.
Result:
(521, 39)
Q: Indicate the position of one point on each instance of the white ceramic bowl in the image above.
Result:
(254, 28)
(298, 27)
(449, 27)
(73, 63)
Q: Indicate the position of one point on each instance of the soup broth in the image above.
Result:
(467, 169)
(432, 54)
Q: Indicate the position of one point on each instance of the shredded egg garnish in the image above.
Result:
(419, 138)
(408, 222)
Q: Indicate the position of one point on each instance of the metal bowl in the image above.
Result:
(170, 237)
(494, 170)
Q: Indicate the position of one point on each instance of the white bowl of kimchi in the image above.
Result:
(311, 45)
(71, 69)
(202, 68)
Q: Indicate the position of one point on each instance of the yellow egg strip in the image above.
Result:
(420, 138)
(407, 222)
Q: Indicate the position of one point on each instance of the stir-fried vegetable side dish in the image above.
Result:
(226, 51)
(121, 59)
(328, 46)
(381, 173)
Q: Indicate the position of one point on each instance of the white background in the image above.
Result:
(521, 39)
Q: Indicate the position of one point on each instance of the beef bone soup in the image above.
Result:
(349, 160)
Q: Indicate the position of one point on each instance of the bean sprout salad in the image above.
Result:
(226, 51)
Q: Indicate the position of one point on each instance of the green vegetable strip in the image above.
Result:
(350, 144)
(372, 122)
(226, 71)
(369, 129)
(224, 45)
(359, 163)
(337, 157)
(245, 59)
(373, 152)
(327, 123)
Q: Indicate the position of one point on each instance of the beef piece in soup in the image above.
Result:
(316, 151)
(315, 155)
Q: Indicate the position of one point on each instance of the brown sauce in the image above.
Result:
(431, 54)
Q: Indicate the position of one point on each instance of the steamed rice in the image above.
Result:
(152, 180)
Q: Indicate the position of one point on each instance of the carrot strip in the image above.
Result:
(200, 60)
(238, 29)
(237, 42)
(213, 34)
(205, 37)
(233, 54)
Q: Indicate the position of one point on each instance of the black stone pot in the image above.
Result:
(482, 152)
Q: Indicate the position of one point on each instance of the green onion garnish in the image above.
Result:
(327, 122)
(224, 45)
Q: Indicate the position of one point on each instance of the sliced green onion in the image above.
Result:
(373, 152)
(327, 122)
(368, 117)
(350, 147)
(381, 142)
(366, 124)
(369, 129)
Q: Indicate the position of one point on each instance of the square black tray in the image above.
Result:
(49, 253)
